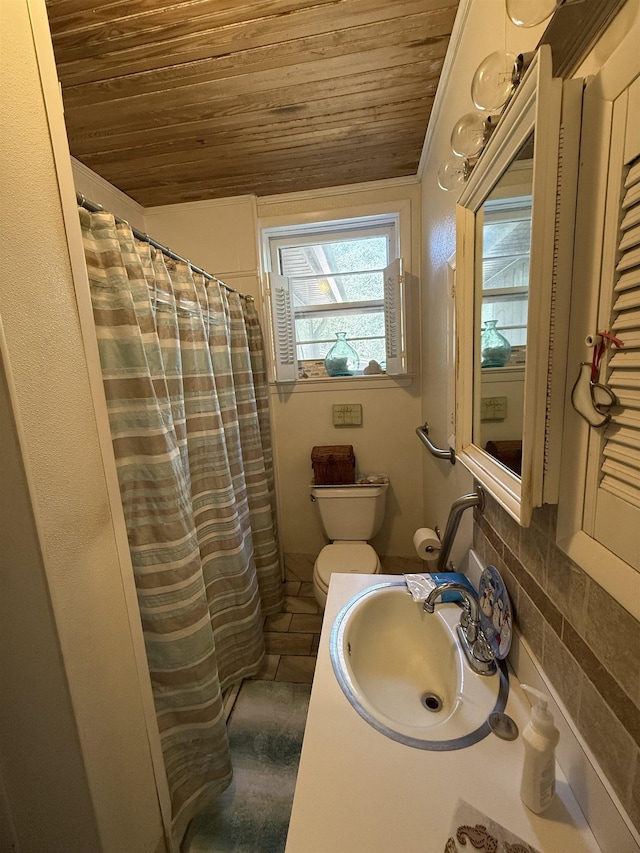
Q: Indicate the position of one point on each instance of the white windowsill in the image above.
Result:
(342, 383)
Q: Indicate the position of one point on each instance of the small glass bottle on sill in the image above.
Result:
(342, 359)
(495, 349)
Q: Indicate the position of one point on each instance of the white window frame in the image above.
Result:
(291, 230)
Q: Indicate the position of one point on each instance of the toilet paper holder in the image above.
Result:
(432, 549)
(427, 542)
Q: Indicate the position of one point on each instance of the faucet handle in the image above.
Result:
(465, 617)
(482, 651)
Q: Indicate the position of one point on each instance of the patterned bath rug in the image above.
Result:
(265, 738)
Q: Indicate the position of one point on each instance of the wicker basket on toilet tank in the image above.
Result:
(333, 465)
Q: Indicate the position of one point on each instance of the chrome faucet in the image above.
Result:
(453, 522)
(472, 639)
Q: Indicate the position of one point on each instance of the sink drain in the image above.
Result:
(432, 702)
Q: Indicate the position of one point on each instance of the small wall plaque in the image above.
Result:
(493, 409)
(347, 414)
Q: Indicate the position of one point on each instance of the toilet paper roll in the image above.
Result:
(426, 543)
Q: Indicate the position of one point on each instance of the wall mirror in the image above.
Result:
(514, 253)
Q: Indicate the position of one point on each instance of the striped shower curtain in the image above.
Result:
(184, 375)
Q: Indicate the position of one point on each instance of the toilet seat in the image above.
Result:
(343, 556)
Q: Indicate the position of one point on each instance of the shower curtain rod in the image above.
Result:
(93, 207)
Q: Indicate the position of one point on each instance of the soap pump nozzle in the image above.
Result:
(541, 717)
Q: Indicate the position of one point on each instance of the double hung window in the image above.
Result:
(331, 278)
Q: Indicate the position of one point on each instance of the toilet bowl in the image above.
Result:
(350, 516)
(342, 556)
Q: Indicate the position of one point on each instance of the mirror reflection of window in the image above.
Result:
(506, 242)
(503, 247)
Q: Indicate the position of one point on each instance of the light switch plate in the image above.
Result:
(347, 414)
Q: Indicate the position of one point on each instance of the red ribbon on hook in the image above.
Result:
(598, 352)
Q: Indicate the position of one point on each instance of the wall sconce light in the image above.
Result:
(495, 80)
(529, 13)
(493, 84)
(471, 133)
(454, 172)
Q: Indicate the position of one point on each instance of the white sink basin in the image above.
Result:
(404, 672)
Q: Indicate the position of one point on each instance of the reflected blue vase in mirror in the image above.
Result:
(342, 359)
(495, 349)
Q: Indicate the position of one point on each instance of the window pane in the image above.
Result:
(511, 314)
(324, 290)
(337, 256)
(505, 256)
(506, 271)
(365, 333)
(367, 253)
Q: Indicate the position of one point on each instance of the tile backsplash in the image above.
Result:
(587, 644)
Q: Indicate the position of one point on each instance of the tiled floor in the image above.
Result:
(292, 637)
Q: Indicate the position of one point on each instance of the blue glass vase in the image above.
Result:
(342, 359)
(495, 349)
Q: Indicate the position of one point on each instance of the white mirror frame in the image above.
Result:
(536, 106)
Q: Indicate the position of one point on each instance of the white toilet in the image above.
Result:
(350, 516)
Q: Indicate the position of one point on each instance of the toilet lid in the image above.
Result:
(350, 557)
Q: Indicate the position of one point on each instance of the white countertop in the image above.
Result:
(358, 791)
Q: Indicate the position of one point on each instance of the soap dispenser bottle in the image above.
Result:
(540, 738)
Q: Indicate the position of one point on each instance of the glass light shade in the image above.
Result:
(495, 80)
(453, 173)
(470, 135)
(529, 13)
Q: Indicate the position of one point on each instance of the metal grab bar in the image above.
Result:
(423, 434)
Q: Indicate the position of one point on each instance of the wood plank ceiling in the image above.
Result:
(195, 99)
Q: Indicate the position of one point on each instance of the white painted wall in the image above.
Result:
(386, 443)
(74, 736)
(510, 385)
(482, 26)
(96, 189)
(220, 236)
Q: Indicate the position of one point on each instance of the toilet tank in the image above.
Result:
(351, 512)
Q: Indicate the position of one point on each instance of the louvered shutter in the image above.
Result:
(618, 493)
(284, 330)
(395, 318)
(621, 466)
